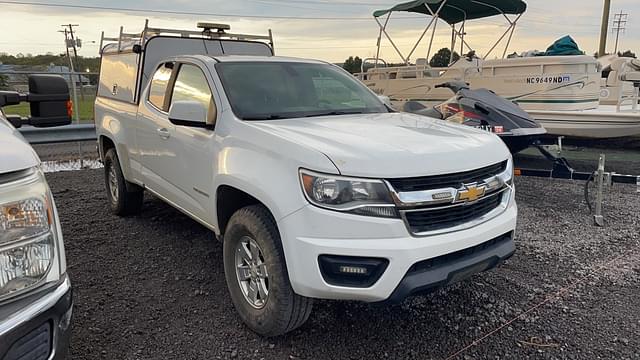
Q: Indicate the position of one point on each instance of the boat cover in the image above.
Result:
(455, 11)
(563, 46)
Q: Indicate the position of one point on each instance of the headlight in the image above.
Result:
(27, 234)
(353, 195)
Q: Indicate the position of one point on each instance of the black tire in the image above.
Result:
(283, 310)
(124, 197)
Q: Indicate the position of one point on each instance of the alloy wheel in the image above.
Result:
(251, 272)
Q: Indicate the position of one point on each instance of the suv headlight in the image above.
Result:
(351, 195)
(28, 235)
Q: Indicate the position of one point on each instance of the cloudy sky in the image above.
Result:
(323, 29)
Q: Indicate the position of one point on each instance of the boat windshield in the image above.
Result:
(281, 90)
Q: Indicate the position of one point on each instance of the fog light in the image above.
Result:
(351, 271)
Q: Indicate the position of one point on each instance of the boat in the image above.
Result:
(563, 93)
(483, 109)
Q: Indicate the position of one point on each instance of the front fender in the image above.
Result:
(266, 167)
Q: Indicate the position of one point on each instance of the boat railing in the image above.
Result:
(414, 72)
(634, 78)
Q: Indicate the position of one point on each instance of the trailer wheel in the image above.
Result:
(257, 276)
(125, 198)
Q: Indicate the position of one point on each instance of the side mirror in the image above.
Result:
(9, 98)
(49, 101)
(189, 113)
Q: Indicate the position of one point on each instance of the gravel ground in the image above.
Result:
(152, 286)
(67, 151)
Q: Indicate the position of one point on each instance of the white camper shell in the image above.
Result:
(121, 75)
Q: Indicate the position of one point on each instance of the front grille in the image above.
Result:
(35, 345)
(455, 180)
(437, 219)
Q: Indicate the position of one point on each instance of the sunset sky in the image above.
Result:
(324, 29)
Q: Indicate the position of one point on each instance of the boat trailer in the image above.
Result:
(562, 170)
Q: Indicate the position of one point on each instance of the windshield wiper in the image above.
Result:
(265, 117)
(335, 112)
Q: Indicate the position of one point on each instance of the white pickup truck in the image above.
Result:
(35, 291)
(315, 186)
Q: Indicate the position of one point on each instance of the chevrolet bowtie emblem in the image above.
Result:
(471, 193)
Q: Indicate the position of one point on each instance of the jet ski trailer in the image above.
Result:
(561, 169)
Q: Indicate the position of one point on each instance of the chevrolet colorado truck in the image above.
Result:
(317, 189)
(35, 291)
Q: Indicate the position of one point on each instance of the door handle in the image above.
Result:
(163, 133)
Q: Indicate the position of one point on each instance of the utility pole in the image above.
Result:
(67, 41)
(619, 24)
(71, 41)
(604, 28)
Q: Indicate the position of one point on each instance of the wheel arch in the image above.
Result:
(229, 199)
(104, 144)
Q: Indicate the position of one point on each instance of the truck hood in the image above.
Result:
(15, 153)
(392, 145)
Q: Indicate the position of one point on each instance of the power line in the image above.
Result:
(198, 13)
(192, 13)
(619, 24)
(345, 3)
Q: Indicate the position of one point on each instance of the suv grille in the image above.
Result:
(441, 218)
(455, 180)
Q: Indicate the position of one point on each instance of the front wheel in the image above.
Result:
(257, 276)
(125, 198)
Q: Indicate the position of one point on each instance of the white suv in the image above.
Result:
(315, 186)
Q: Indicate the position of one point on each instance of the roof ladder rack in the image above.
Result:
(209, 31)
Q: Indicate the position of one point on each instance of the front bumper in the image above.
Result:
(37, 326)
(311, 232)
(428, 275)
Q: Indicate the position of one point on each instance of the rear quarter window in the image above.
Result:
(158, 87)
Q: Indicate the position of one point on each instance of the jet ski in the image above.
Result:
(482, 108)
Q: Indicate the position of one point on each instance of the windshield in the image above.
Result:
(281, 90)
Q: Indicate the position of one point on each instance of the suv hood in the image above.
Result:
(15, 153)
(392, 145)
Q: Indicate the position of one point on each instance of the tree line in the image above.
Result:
(82, 63)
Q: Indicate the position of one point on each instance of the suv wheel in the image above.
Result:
(257, 277)
(125, 198)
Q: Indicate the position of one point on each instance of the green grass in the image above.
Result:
(85, 109)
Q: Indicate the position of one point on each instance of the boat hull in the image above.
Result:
(603, 122)
(537, 83)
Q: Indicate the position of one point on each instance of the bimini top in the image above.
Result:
(455, 11)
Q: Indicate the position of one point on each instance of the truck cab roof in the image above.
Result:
(252, 58)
